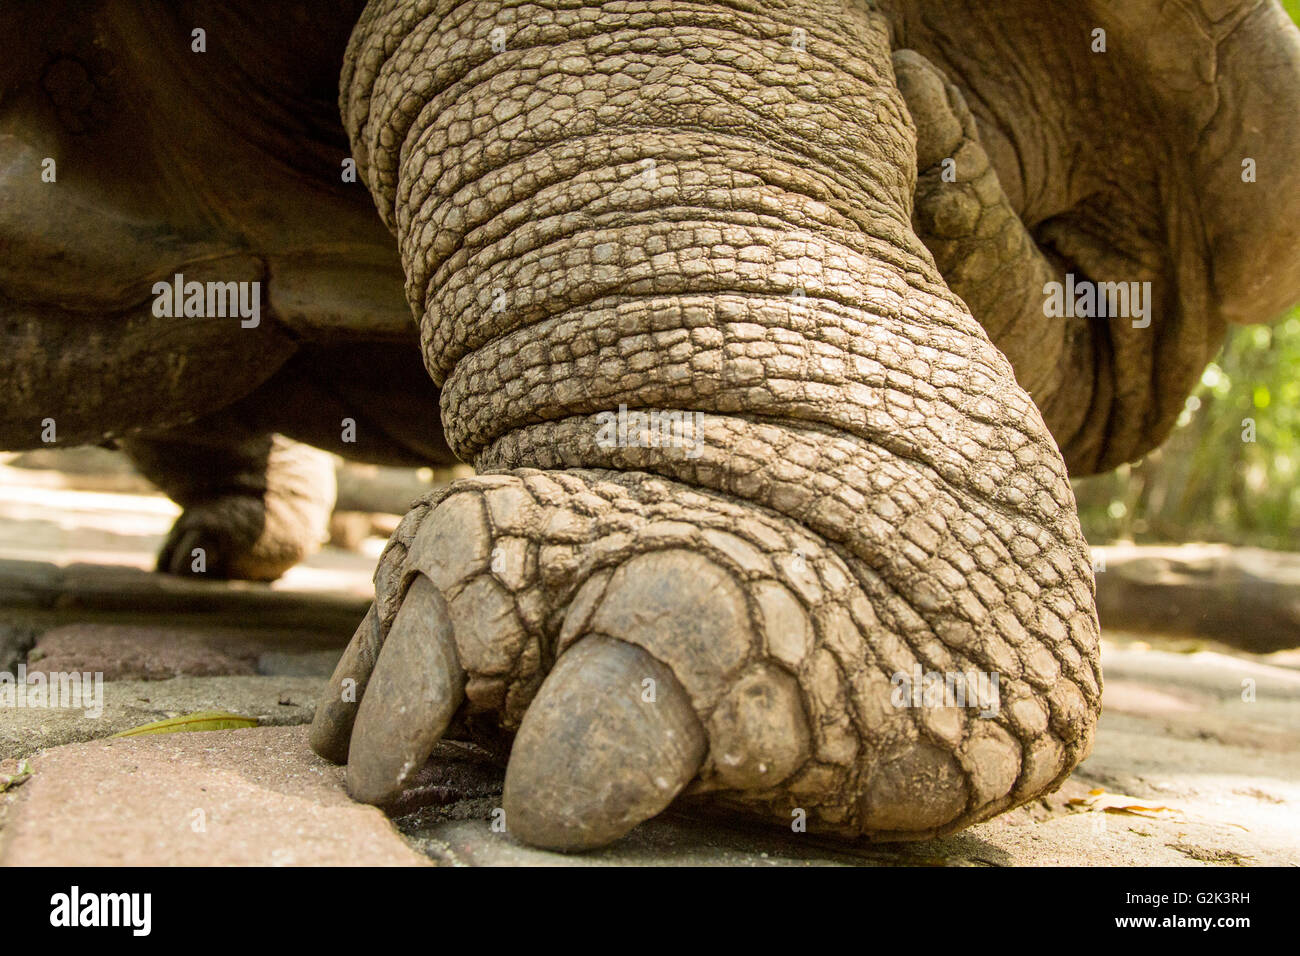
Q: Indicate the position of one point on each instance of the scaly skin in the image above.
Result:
(1117, 165)
(988, 257)
(870, 490)
(729, 209)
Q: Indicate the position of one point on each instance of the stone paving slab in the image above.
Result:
(253, 797)
(1062, 837)
(1200, 799)
(274, 701)
(673, 841)
(1210, 735)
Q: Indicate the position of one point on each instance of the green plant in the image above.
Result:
(1229, 471)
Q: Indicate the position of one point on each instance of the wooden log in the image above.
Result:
(1248, 598)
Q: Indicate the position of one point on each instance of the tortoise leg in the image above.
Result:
(256, 503)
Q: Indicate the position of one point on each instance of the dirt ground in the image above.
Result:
(1197, 760)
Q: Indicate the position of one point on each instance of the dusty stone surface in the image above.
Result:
(663, 841)
(1174, 732)
(123, 652)
(224, 798)
(276, 701)
(278, 663)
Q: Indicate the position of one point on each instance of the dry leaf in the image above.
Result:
(1103, 802)
(1118, 803)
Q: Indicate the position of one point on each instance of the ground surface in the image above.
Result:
(1197, 759)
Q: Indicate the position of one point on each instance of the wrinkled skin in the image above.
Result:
(738, 210)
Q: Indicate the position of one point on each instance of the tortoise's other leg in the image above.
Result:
(255, 503)
(1109, 388)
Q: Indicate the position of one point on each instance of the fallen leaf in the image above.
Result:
(14, 773)
(202, 720)
(1100, 800)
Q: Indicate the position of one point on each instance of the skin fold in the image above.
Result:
(736, 212)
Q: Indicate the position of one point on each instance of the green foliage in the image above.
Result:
(1293, 8)
(1210, 481)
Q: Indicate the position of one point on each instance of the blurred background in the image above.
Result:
(1228, 472)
